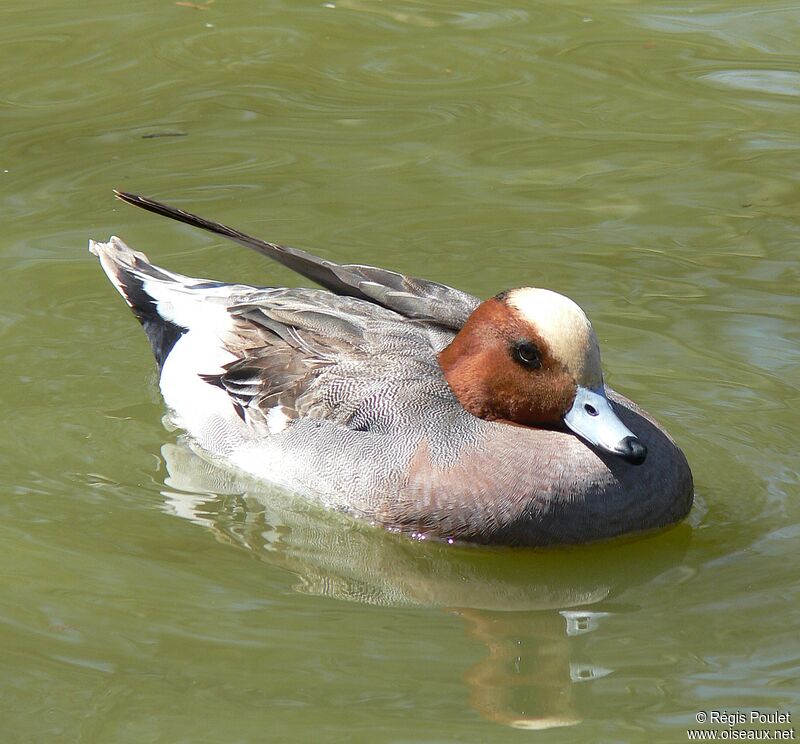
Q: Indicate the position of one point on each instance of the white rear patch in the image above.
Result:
(203, 410)
(191, 308)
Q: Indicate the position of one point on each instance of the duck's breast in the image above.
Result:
(522, 486)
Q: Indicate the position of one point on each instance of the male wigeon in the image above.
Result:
(403, 401)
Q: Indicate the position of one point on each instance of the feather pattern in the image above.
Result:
(337, 393)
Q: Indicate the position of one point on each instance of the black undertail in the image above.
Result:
(161, 333)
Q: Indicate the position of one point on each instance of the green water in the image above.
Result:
(640, 157)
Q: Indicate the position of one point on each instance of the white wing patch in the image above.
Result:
(277, 420)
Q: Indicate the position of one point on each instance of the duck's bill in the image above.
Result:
(592, 418)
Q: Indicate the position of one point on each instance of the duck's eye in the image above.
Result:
(527, 354)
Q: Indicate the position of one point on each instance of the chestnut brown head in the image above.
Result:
(530, 357)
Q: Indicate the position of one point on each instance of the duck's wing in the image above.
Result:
(303, 353)
(414, 298)
(280, 355)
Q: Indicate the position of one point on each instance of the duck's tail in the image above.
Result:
(330, 275)
(142, 285)
(410, 296)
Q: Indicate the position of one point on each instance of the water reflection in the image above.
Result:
(530, 609)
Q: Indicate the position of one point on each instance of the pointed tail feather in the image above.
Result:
(317, 269)
(412, 297)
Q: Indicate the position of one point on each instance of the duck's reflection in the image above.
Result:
(529, 608)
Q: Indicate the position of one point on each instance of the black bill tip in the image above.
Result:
(632, 450)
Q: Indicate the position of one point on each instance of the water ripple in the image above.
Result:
(778, 82)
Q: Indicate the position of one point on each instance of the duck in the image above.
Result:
(403, 401)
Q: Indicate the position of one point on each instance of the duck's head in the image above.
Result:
(530, 357)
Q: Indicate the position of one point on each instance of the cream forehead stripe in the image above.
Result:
(565, 328)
